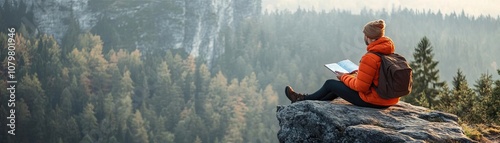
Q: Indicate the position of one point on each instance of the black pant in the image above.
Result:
(334, 88)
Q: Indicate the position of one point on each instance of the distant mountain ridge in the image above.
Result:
(202, 28)
(192, 25)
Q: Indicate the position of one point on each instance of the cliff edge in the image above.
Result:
(340, 121)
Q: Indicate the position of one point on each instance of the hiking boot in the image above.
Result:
(292, 95)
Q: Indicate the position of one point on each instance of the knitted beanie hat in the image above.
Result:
(374, 29)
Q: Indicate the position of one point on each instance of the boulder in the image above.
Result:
(340, 121)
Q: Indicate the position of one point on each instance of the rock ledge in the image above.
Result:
(339, 121)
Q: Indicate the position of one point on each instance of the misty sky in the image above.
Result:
(470, 7)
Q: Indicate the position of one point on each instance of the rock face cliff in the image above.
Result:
(192, 25)
(321, 121)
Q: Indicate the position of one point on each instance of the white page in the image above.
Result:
(335, 67)
(348, 65)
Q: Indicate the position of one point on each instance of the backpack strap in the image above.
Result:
(380, 56)
(377, 53)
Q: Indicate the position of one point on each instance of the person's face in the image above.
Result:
(366, 40)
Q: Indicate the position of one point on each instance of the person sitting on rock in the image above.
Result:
(356, 87)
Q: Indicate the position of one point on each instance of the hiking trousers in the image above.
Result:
(332, 89)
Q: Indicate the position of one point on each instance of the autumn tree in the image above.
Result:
(217, 107)
(254, 101)
(237, 122)
(137, 128)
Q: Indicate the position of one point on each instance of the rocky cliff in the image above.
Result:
(192, 25)
(320, 121)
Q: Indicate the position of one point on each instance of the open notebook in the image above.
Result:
(344, 66)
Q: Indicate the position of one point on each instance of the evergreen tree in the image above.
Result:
(30, 89)
(86, 139)
(217, 106)
(175, 62)
(174, 105)
(459, 80)
(72, 131)
(445, 100)
(271, 101)
(425, 74)
(422, 100)
(237, 122)
(197, 140)
(23, 121)
(463, 106)
(137, 128)
(161, 133)
(123, 104)
(79, 81)
(112, 139)
(108, 128)
(25, 52)
(484, 90)
(23, 31)
(484, 85)
(189, 87)
(167, 96)
(115, 73)
(493, 110)
(66, 102)
(100, 79)
(70, 37)
(189, 125)
(88, 122)
(107, 29)
(202, 83)
(135, 65)
(86, 90)
(255, 101)
(270, 97)
(53, 124)
(60, 140)
(4, 112)
(181, 101)
(47, 64)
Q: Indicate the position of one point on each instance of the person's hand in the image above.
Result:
(339, 74)
(354, 72)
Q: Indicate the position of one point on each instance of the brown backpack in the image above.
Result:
(395, 76)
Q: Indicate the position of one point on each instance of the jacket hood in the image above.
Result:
(383, 45)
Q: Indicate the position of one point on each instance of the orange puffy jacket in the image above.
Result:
(368, 73)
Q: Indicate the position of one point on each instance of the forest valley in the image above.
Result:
(84, 89)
